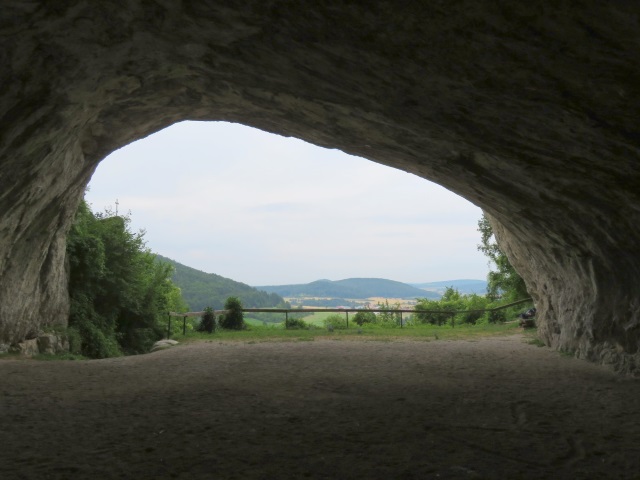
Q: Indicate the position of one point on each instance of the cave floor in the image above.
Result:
(336, 409)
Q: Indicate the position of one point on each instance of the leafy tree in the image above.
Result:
(504, 281)
(474, 304)
(389, 318)
(119, 293)
(234, 319)
(451, 295)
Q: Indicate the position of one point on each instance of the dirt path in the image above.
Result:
(493, 408)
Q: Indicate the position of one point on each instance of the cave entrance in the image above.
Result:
(270, 210)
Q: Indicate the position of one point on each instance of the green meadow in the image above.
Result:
(277, 332)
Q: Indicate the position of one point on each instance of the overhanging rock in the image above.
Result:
(528, 111)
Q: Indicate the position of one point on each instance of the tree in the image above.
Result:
(504, 281)
(435, 312)
(119, 294)
(234, 319)
(389, 318)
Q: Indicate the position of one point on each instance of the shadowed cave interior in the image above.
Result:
(528, 111)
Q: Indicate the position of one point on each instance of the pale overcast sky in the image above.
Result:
(268, 210)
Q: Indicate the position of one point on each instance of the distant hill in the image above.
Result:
(464, 286)
(200, 289)
(350, 288)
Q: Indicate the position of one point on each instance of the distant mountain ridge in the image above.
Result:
(200, 289)
(351, 288)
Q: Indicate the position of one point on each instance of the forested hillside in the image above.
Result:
(351, 288)
(200, 289)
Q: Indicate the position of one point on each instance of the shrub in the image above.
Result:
(439, 314)
(234, 319)
(95, 343)
(496, 316)
(364, 317)
(75, 340)
(335, 321)
(139, 340)
(207, 321)
(295, 323)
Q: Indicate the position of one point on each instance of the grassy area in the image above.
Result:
(317, 318)
(422, 332)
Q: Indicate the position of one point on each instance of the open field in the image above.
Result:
(494, 407)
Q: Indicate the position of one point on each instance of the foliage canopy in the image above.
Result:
(504, 281)
(119, 294)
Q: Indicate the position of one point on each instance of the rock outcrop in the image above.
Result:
(46, 344)
(529, 111)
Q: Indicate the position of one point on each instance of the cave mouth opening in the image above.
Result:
(266, 209)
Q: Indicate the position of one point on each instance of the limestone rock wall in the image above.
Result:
(529, 111)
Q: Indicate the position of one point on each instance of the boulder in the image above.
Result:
(163, 345)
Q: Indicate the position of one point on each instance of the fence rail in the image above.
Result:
(346, 311)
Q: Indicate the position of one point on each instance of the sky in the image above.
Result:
(264, 209)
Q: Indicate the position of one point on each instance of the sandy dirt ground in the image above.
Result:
(327, 409)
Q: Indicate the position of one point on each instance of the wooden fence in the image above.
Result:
(346, 311)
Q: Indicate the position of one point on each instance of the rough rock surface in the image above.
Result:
(27, 347)
(48, 344)
(528, 110)
(52, 344)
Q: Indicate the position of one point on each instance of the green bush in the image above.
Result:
(234, 319)
(139, 340)
(296, 323)
(208, 321)
(496, 316)
(336, 321)
(95, 344)
(474, 303)
(75, 340)
(439, 313)
(364, 317)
